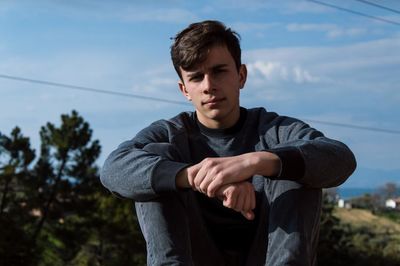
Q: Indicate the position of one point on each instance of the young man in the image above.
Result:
(225, 185)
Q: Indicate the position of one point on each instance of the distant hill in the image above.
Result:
(364, 218)
(365, 239)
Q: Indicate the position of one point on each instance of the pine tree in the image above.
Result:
(16, 186)
(54, 211)
(66, 173)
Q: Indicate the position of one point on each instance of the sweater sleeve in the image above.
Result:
(309, 157)
(140, 173)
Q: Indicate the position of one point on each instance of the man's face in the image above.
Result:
(213, 86)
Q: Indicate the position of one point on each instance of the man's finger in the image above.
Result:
(249, 215)
(229, 200)
(192, 172)
(240, 202)
(199, 177)
(214, 186)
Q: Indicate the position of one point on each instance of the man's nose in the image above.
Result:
(208, 84)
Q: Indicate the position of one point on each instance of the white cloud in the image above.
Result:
(294, 7)
(310, 27)
(355, 84)
(169, 15)
(331, 30)
(265, 68)
(284, 7)
(302, 75)
(352, 32)
(168, 11)
(275, 71)
(319, 59)
(357, 80)
(246, 26)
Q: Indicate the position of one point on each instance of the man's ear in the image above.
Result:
(182, 88)
(242, 75)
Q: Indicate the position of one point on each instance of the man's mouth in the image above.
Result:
(213, 101)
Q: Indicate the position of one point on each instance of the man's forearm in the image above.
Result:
(265, 163)
(228, 170)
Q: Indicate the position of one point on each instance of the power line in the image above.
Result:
(354, 126)
(378, 5)
(66, 86)
(355, 12)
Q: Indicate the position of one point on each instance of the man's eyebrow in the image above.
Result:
(194, 73)
(219, 66)
(200, 72)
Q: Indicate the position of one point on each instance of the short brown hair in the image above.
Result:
(191, 45)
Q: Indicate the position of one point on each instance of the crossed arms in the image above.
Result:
(225, 178)
(134, 172)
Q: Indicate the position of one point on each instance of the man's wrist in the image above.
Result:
(266, 163)
(182, 179)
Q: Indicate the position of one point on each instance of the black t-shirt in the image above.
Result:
(229, 229)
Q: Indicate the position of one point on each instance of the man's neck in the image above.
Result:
(225, 130)
(221, 123)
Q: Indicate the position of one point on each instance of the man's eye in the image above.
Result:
(196, 78)
(218, 71)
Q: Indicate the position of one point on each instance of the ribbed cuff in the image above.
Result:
(164, 175)
(292, 163)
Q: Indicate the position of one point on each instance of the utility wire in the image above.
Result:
(355, 12)
(66, 86)
(378, 5)
(354, 126)
(92, 89)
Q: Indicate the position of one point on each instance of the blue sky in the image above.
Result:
(304, 59)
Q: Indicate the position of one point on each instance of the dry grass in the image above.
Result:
(364, 218)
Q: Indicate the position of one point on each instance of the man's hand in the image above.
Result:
(239, 197)
(211, 174)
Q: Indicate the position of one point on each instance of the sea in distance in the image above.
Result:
(348, 193)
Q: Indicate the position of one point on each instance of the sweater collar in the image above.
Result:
(224, 131)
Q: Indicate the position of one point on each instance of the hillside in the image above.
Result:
(360, 218)
(360, 238)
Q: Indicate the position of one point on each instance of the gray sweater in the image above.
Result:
(307, 156)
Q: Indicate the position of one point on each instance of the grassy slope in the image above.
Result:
(360, 217)
(364, 218)
(375, 238)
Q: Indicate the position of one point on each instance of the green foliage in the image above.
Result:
(391, 214)
(374, 248)
(65, 170)
(54, 211)
(334, 243)
(16, 247)
(115, 222)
